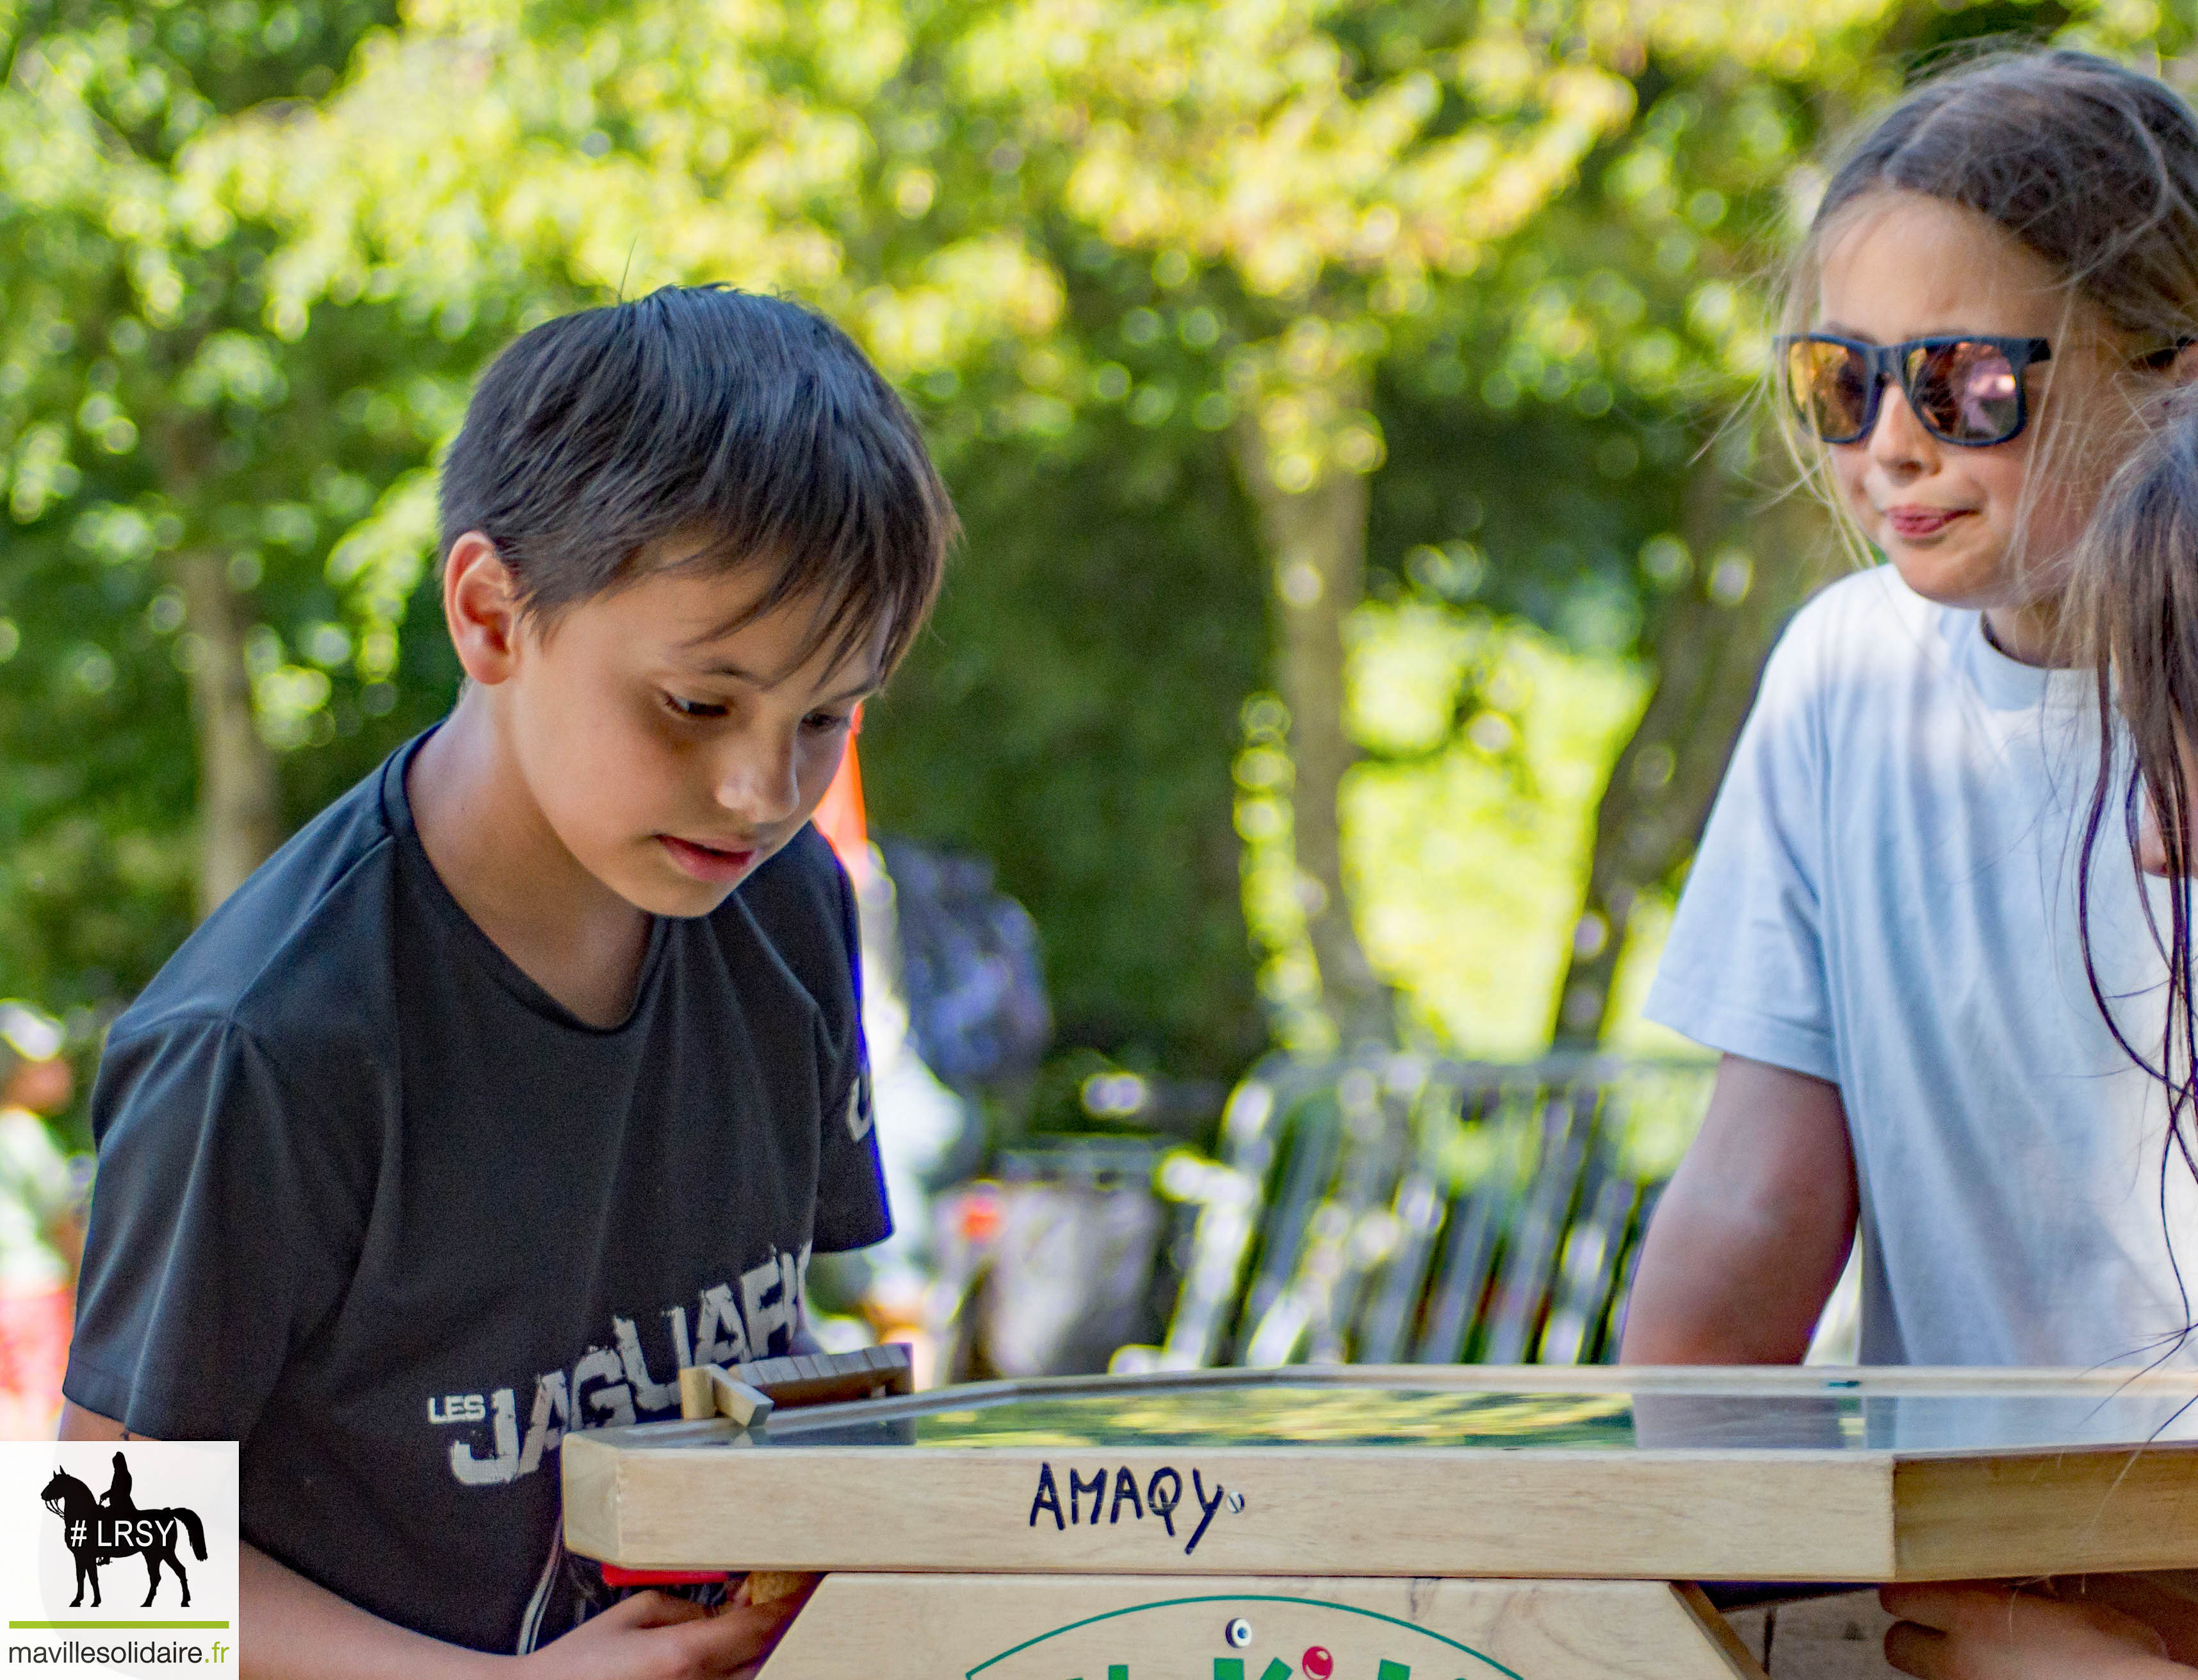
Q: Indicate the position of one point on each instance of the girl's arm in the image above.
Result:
(1986, 1631)
(302, 1632)
(1751, 1235)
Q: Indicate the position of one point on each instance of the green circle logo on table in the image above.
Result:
(1302, 1639)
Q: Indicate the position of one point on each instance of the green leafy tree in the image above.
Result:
(177, 469)
(1220, 314)
(1307, 178)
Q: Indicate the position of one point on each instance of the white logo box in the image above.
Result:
(79, 1595)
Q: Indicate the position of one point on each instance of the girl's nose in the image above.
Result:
(1899, 442)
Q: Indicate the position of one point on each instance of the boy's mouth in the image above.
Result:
(707, 863)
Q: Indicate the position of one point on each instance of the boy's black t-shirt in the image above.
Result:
(373, 1204)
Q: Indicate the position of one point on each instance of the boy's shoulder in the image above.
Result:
(305, 942)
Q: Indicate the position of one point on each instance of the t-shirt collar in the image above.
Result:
(2008, 684)
(396, 807)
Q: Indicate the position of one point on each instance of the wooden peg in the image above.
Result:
(697, 1400)
(736, 1400)
(711, 1391)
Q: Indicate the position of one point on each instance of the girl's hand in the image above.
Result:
(654, 1636)
(1986, 1631)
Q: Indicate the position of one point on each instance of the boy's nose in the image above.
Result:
(759, 785)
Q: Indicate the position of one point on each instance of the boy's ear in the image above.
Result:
(483, 608)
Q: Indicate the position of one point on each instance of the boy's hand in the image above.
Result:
(654, 1636)
(1985, 1631)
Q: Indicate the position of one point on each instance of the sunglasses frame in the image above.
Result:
(1886, 363)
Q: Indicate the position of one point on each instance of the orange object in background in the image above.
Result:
(977, 1215)
(840, 819)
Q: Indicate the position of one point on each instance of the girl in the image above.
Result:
(1881, 928)
(2137, 595)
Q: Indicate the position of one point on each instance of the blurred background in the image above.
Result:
(1373, 538)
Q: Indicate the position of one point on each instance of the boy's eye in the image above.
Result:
(824, 722)
(694, 709)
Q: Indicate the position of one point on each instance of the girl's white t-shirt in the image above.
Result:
(1885, 897)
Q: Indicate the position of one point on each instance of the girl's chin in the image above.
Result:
(1947, 577)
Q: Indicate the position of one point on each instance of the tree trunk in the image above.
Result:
(1315, 543)
(238, 818)
(1709, 648)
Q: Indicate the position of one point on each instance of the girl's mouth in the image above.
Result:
(1913, 522)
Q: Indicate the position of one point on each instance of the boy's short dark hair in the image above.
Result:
(747, 424)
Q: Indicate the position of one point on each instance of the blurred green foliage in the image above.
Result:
(146, 410)
(1071, 715)
(1504, 260)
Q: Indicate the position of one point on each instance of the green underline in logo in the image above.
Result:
(117, 1625)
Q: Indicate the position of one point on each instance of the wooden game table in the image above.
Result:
(1385, 1523)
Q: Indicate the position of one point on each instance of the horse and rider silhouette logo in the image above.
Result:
(96, 1530)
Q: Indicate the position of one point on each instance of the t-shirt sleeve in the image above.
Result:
(1744, 970)
(224, 1227)
(850, 1186)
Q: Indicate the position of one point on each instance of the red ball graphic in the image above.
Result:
(1317, 1662)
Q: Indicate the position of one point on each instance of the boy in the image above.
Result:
(488, 1102)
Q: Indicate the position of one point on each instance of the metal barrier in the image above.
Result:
(1399, 1208)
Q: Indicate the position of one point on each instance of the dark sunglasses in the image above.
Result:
(1964, 391)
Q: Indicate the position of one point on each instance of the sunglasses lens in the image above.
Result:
(1830, 385)
(1965, 392)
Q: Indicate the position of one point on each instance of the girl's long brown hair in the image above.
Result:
(2135, 598)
